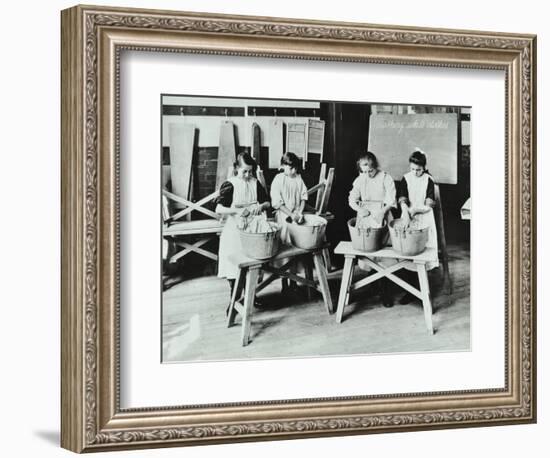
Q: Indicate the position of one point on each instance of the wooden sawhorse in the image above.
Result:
(419, 261)
(249, 273)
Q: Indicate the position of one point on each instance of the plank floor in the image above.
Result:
(194, 323)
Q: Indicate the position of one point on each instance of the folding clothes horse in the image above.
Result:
(177, 205)
(323, 189)
(203, 230)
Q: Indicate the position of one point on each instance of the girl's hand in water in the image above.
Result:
(298, 218)
(406, 218)
(255, 209)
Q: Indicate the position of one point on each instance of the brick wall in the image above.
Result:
(205, 166)
(204, 172)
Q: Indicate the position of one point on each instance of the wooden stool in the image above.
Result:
(249, 272)
(418, 261)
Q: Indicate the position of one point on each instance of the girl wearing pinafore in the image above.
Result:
(288, 194)
(288, 198)
(243, 195)
(372, 196)
(416, 197)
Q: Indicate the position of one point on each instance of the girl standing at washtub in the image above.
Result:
(289, 194)
(372, 196)
(416, 198)
(288, 198)
(240, 196)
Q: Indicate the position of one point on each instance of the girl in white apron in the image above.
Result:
(240, 193)
(288, 198)
(416, 197)
(288, 194)
(372, 196)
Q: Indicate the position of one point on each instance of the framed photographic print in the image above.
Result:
(278, 228)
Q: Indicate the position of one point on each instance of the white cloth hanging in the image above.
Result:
(275, 142)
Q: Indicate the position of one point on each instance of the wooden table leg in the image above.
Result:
(236, 287)
(425, 291)
(249, 295)
(353, 264)
(326, 257)
(344, 287)
(323, 282)
(284, 285)
(309, 274)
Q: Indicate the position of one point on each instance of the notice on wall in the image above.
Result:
(296, 139)
(316, 137)
(465, 128)
(392, 138)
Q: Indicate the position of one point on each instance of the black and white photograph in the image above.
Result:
(256, 235)
(311, 228)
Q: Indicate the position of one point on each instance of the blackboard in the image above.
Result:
(392, 138)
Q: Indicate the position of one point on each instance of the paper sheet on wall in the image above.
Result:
(296, 139)
(274, 142)
(465, 132)
(316, 137)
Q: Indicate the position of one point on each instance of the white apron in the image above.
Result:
(289, 192)
(417, 187)
(374, 194)
(280, 218)
(244, 192)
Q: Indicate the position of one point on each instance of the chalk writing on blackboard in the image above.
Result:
(399, 126)
(394, 137)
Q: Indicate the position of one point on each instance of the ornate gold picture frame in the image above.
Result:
(93, 39)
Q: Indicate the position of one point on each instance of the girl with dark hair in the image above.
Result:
(289, 193)
(240, 195)
(416, 198)
(372, 196)
(288, 198)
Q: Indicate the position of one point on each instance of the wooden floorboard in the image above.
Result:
(194, 322)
